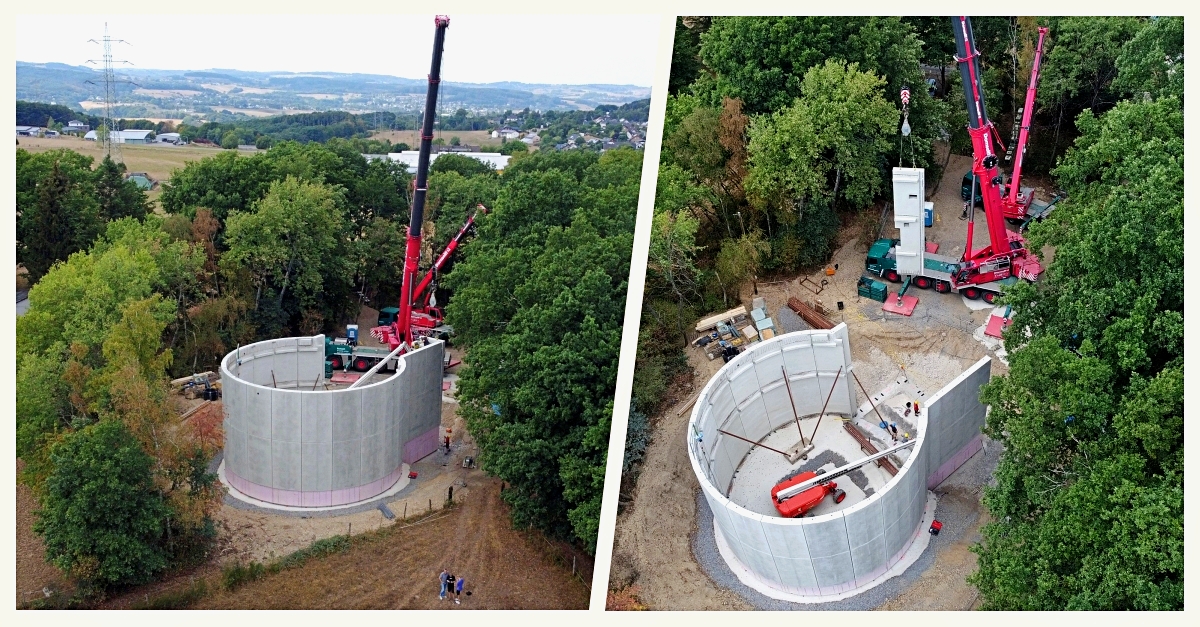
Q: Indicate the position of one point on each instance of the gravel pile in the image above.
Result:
(956, 513)
(787, 321)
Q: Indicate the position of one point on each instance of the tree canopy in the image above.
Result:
(1088, 506)
(539, 302)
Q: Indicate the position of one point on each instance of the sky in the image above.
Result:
(555, 49)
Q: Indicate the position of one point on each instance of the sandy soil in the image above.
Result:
(933, 346)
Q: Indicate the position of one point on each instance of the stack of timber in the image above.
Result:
(809, 314)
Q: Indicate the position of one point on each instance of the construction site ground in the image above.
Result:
(396, 567)
(656, 530)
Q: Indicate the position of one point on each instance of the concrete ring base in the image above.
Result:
(916, 546)
(396, 488)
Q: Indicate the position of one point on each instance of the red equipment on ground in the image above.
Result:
(1006, 255)
(799, 505)
(400, 332)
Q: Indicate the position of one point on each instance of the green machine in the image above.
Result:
(870, 288)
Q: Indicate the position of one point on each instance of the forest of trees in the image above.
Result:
(780, 130)
(285, 242)
(539, 302)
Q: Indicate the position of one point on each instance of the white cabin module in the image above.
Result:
(908, 188)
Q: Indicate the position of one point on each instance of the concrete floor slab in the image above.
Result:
(762, 469)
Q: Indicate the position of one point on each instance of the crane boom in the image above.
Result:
(981, 130)
(412, 249)
(1014, 199)
(419, 299)
(1007, 254)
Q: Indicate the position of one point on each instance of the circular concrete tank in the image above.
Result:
(837, 549)
(289, 444)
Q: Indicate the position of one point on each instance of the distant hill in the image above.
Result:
(203, 93)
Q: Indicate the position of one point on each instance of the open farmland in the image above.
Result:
(158, 160)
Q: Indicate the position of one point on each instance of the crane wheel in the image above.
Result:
(941, 287)
(923, 282)
(361, 365)
(820, 471)
(989, 297)
(839, 496)
(971, 293)
(336, 362)
(892, 276)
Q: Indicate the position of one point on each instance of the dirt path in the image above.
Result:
(398, 568)
(34, 573)
(652, 548)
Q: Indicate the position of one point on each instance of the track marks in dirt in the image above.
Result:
(398, 568)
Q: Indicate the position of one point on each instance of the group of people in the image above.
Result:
(451, 584)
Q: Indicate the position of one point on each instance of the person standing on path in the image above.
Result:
(458, 586)
(444, 577)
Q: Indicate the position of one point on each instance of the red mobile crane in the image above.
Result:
(1006, 255)
(425, 313)
(1017, 201)
(400, 332)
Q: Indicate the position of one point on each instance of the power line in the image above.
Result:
(110, 143)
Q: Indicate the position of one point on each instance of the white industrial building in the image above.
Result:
(409, 158)
(126, 137)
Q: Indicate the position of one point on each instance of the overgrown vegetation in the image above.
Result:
(1088, 506)
(539, 302)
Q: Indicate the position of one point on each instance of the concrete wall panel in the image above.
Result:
(850, 548)
(285, 465)
(784, 540)
(743, 381)
(753, 417)
(778, 407)
(798, 356)
(257, 416)
(285, 416)
(347, 464)
(317, 471)
(296, 446)
(256, 463)
(347, 418)
(826, 535)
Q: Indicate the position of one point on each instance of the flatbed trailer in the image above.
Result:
(936, 274)
(342, 355)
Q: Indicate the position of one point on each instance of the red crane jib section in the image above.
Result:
(401, 331)
(423, 314)
(1006, 254)
(1016, 204)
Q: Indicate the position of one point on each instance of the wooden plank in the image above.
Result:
(869, 448)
